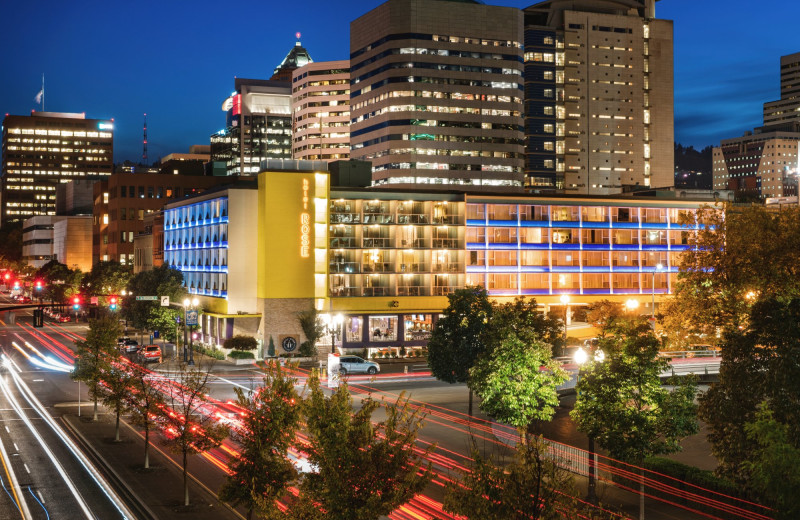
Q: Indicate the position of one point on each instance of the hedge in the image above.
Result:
(239, 354)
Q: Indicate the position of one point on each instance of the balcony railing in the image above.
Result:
(377, 291)
(451, 267)
(412, 218)
(411, 290)
(411, 268)
(343, 242)
(445, 243)
(345, 218)
(378, 267)
(343, 267)
(444, 290)
(376, 242)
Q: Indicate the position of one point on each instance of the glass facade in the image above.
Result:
(196, 243)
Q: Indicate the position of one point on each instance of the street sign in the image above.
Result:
(147, 298)
(191, 317)
(93, 300)
(165, 301)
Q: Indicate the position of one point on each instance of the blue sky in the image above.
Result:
(176, 60)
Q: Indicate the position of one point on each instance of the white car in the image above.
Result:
(356, 365)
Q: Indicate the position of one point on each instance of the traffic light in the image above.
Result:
(7, 276)
(112, 303)
(76, 302)
(38, 318)
(38, 285)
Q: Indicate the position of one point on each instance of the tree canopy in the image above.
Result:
(106, 278)
(94, 355)
(161, 281)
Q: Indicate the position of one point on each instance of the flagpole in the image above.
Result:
(42, 91)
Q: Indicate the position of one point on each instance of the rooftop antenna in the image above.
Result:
(144, 142)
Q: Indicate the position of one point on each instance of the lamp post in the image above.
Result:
(565, 300)
(332, 325)
(188, 357)
(580, 358)
(632, 305)
(658, 268)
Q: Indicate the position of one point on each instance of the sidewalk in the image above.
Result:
(155, 493)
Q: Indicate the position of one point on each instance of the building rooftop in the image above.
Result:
(297, 57)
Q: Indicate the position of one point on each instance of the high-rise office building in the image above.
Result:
(599, 96)
(436, 94)
(321, 111)
(259, 119)
(44, 149)
(786, 111)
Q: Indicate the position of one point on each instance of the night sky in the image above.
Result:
(176, 60)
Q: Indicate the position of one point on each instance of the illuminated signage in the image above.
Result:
(305, 224)
(105, 126)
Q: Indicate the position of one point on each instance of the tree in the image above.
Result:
(517, 383)
(622, 405)
(60, 282)
(759, 363)
(262, 472)
(773, 465)
(523, 319)
(11, 241)
(188, 427)
(145, 404)
(161, 281)
(241, 342)
(115, 390)
(534, 485)
(458, 338)
(312, 329)
(271, 348)
(163, 319)
(106, 278)
(362, 470)
(604, 315)
(95, 354)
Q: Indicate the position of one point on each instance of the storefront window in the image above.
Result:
(418, 327)
(383, 328)
(352, 327)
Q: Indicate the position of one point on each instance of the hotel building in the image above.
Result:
(387, 259)
(598, 97)
(436, 94)
(321, 111)
(786, 111)
(45, 149)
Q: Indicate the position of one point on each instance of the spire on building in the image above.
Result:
(296, 58)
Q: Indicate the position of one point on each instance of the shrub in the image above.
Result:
(403, 351)
(210, 352)
(241, 342)
(307, 349)
(239, 354)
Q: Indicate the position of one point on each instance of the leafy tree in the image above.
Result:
(517, 383)
(311, 325)
(622, 405)
(106, 278)
(60, 282)
(145, 404)
(363, 470)
(161, 281)
(534, 485)
(523, 319)
(262, 473)
(11, 242)
(241, 342)
(163, 319)
(459, 337)
(760, 362)
(95, 354)
(605, 315)
(774, 462)
(188, 428)
(116, 389)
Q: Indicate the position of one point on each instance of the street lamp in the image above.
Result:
(658, 268)
(332, 325)
(632, 305)
(187, 304)
(565, 300)
(580, 357)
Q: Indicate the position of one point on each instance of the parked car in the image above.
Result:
(121, 341)
(64, 319)
(149, 353)
(23, 299)
(131, 346)
(356, 365)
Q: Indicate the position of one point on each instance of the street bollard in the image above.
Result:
(405, 369)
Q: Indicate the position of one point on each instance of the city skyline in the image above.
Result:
(186, 70)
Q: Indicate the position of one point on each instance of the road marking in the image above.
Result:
(26, 467)
(37, 380)
(40, 496)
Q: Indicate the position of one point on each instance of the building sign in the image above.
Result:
(191, 317)
(305, 224)
(289, 343)
(105, 126)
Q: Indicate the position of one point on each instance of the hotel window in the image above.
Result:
(548, 93)
(475, 279)
(353, 326)
(625, 258)
(476, 211)
(653, 258)
(502, 212)
(418, 327)
(626, 280)
(123, 214)
(626, 236)
(540, 281)
(566, 281)
(533, 235)
(566, 258)
(655, 216)
(549, 146)
(477, 258)
(624, 214)
(383, 328)
(548, 110)
(502, 281)
(149, 192)
(654, 237)
(564, 236)
(476, 235)
(594, 214)
(132, 191)
(595, 259)
(538, 213)
(503, 235)
(123, 190)
(141, 192)
(503, 258)
(565, 213)
(595, 236)
(596, 281)
(680, 238)
(537, 258)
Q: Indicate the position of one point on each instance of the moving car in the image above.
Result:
(150, 353)
(64, 319)
(131, 345)
(357, 365)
